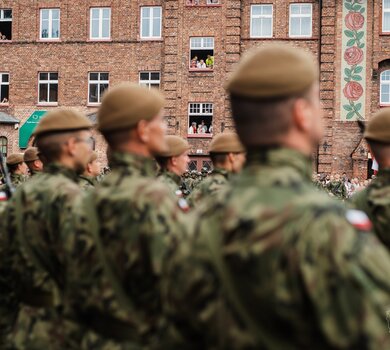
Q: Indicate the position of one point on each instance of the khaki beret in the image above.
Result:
(62, 119)
(15, 158)
(94, 156)
(378, 128)
(176, 146)
(275, 70)
(124, 105)
(31, 154)
(226, 143)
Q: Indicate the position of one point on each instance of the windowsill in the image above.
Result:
(47, 104)
(383, 105)
(99, 40)
(6, 41)
(384, 33)
(201, 69)
(40, 40)
(262, 37)
(4, 104)
(206, 5)
(151, 39)
(199, 136)
(93, 104)
(300, 37)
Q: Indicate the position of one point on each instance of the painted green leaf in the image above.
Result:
(348, 108)
(348, 0)
(356, 77)
(347, 79)
(362, 10)
(347, 72)
(360, 35)
(358, 69)
(361, 46)
(351, 42)
(356, 7)
(349, 33)
(350, 115)
(348, 6)
(358, 107)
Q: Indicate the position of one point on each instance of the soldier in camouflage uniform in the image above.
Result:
(31, 241)
(375, 199)
(337, 188)
(228, 157)
(274, 264)
(125, 228)
(173, 164)
(17, 168)
(31, 158)
(88, 179)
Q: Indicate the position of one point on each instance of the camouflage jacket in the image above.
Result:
(171, 180)
(32, 243)
(124, 230)
(214, 183)
(374, 200)
(16, 180)
(87, 182)
(338, 189)
(275, 264)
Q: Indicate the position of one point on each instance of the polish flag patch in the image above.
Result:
(359, 220)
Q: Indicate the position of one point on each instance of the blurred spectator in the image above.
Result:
(201, 65)
(192, 128)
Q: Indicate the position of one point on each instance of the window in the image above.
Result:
(50, 24)
(207, 164)
(386, 16)
(300, 20)
(200, 119)
(385, 87)
(261, 21)
(202, 2)
(150, 79)
(98, 83)
(212, 2)
(202, 53)
(4, 88)
(3, 145)
(150, 22)
(48, 88)
(193, 165)
(5, 24)
(100, 26)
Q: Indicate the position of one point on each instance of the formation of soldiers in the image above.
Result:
(252, 257)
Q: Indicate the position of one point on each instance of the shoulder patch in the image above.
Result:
(358, 219)
(183, 205)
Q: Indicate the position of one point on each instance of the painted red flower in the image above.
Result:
(353, 55)
(353, 91)
(354, 20)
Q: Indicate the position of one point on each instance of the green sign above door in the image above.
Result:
(28, 127)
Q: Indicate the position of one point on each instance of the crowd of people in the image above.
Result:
(250, 256)
(201, 63)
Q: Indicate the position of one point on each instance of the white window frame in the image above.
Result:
(384, 10)
(202, 112)
(3, 19)
(210, 2)
(262, 17)
(50, 20)
(2, 137)
(100, 20)
(4, 83)
(47, 82)
(301, 16)
(384, 82)
(98, 82)
(150, 81)
(151, 20)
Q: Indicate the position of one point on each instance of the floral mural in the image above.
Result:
(353, 60)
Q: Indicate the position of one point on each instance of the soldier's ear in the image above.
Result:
(301, 114)
(142, 131)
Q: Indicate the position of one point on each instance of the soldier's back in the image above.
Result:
(289, 262)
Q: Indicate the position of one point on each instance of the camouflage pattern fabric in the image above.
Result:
(171, 180)
(87, 182)
(209, 187)
(114, 272)
(16, 180)
(33, 249)
(374, 200)
(299, 274)
(338, 189)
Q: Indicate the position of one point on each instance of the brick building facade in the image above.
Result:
(64, 53)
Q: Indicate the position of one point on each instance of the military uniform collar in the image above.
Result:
(146, 166)
(221, 171)
(90, 179)
(176, 178)
(279, 156)
(17, 177)
(56, 168)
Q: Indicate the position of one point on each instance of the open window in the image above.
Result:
(200, 119)
(4, 145)
(4, 88)
(202, 53)
(5, 24)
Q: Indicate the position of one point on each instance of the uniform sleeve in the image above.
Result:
(346, 274)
